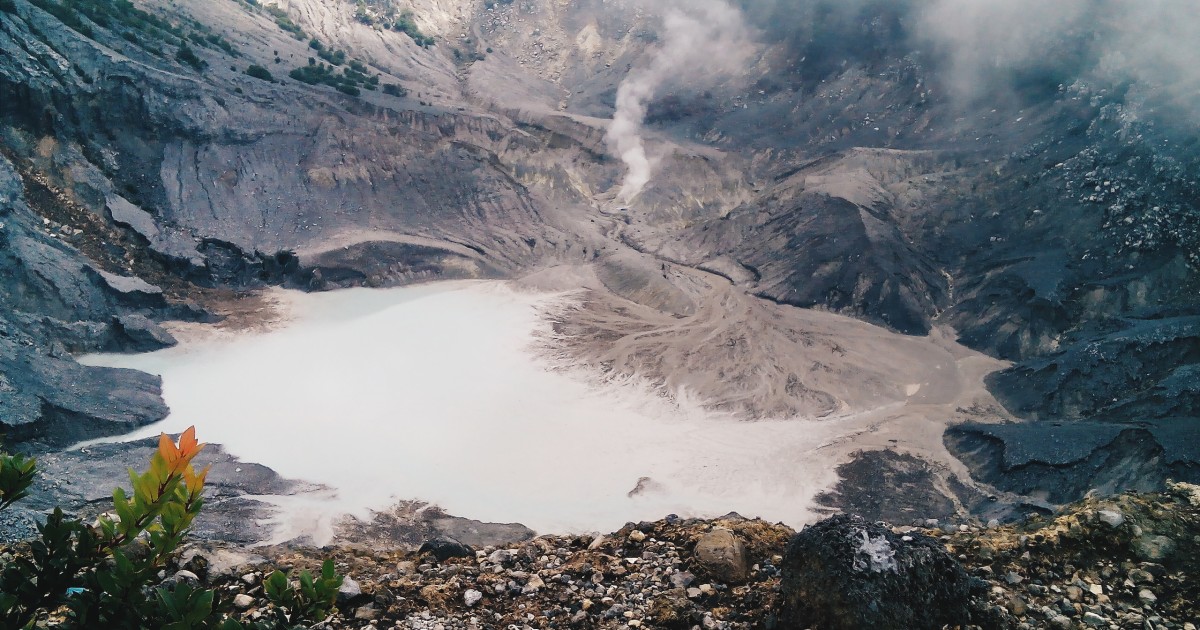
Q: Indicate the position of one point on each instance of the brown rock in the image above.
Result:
(723, 556)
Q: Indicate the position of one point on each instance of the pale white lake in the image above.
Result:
(438, 393)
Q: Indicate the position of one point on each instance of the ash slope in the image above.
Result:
(1049, 218)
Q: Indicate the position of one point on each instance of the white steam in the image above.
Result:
(702, 41)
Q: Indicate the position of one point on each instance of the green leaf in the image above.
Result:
(276, 586)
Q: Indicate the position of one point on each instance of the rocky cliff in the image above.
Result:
(149, 173)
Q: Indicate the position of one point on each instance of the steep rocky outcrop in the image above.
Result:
(55, 301)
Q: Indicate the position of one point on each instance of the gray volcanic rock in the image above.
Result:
(1063, 462)
(819, 239)
(1142, 371)
(847, 573)
(81, 481)
(53, 301)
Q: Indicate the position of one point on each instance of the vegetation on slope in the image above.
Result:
(102, 575)
(385, 14)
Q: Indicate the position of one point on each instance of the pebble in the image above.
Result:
(472, 597)
(183, 575)
(349, 590)
(1112, 518)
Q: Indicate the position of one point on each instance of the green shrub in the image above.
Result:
(283, 21)
(405, 24)
(188, 56)
(391, 89)
(313, 600)
(259, 72)
(223, 44)
(349, 81)
(102, 574)
(66, 14)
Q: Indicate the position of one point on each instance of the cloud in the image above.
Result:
(1148, 42)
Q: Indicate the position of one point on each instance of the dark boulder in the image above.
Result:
(845, 572)
(443, 548)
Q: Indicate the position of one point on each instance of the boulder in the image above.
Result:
(722, 555)
(847, 573)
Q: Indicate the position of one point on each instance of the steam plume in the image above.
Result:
(702, 41)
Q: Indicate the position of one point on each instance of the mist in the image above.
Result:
(701, 42)
(979, 50)
(1150, 43)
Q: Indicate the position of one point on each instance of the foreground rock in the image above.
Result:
(847, 573)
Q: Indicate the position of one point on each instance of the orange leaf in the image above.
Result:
(177, 457)
(187, 441)
(193, 480)
(167, 449)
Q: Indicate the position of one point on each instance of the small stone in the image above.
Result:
(1017, 606)
(1153, 548)
(578, 618)
(993, 524)
(1074, 593)
(637, 536)
(366, 613)
(348, 591)
(694, 593)
(243, 601)
(250, 579)
(1013, 578)
(1147, 596)
(1141, 576)
(682, 579)
(1096, 589)
(1112, 518)
(187, 577)
(501, 556)
(534, 584)
(472, 597)
(1094, 620)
